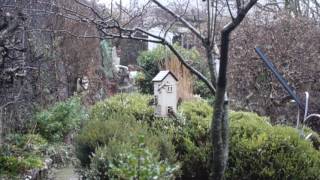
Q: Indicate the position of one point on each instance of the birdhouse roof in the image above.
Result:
(162, 75)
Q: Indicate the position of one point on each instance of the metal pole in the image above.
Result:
(282, 81)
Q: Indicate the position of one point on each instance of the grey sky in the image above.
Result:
(141, 2)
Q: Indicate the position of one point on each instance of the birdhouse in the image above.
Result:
(165, 93)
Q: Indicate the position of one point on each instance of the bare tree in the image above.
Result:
(42, 53)
(306, 8)
(293, 47)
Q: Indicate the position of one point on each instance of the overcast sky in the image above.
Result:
(126, 2)
(141, 2)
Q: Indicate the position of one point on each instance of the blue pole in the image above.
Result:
(280, 78)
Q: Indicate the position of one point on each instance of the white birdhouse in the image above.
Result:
(165, 93)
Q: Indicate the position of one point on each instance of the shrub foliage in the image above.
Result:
(261, 151)
(20, 153)
(59, 120)
(258, 150)
(109, 145)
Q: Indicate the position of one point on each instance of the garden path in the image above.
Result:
(66, 173)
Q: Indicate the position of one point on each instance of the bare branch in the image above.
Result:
(181, 19)
(193, 70)
(241, 14)
(66, 32)
(91, 8)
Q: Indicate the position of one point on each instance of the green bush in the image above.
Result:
(56, 122)
(112, 134)
(21, 152)
(19, 144)
(129, 161)
(149, 62)
(192, 142)
(258, 150)
(261, 151)
(124, 129)
(136, 105)
(198, 118)
(201, 89)
(10, 165)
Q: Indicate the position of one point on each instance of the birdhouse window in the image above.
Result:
(170, 110)
(169, 88)
(155, 100)
(159, 88)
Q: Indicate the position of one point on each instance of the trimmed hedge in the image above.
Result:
(258, 150)
(261, 151)
(136, 105)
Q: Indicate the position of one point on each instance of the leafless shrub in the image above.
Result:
(293, 45)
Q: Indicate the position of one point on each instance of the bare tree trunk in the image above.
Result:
(211, 63)
(220, 119)
(220, 124)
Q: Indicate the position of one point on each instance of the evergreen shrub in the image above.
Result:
(261, 151)
(113, 140)
(258, 150)
(129, 161)
(135, 105)
(192, 141)
(59, 120)
(110, 140)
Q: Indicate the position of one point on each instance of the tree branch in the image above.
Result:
(182, 61)
(241, 14)
(181, 19)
